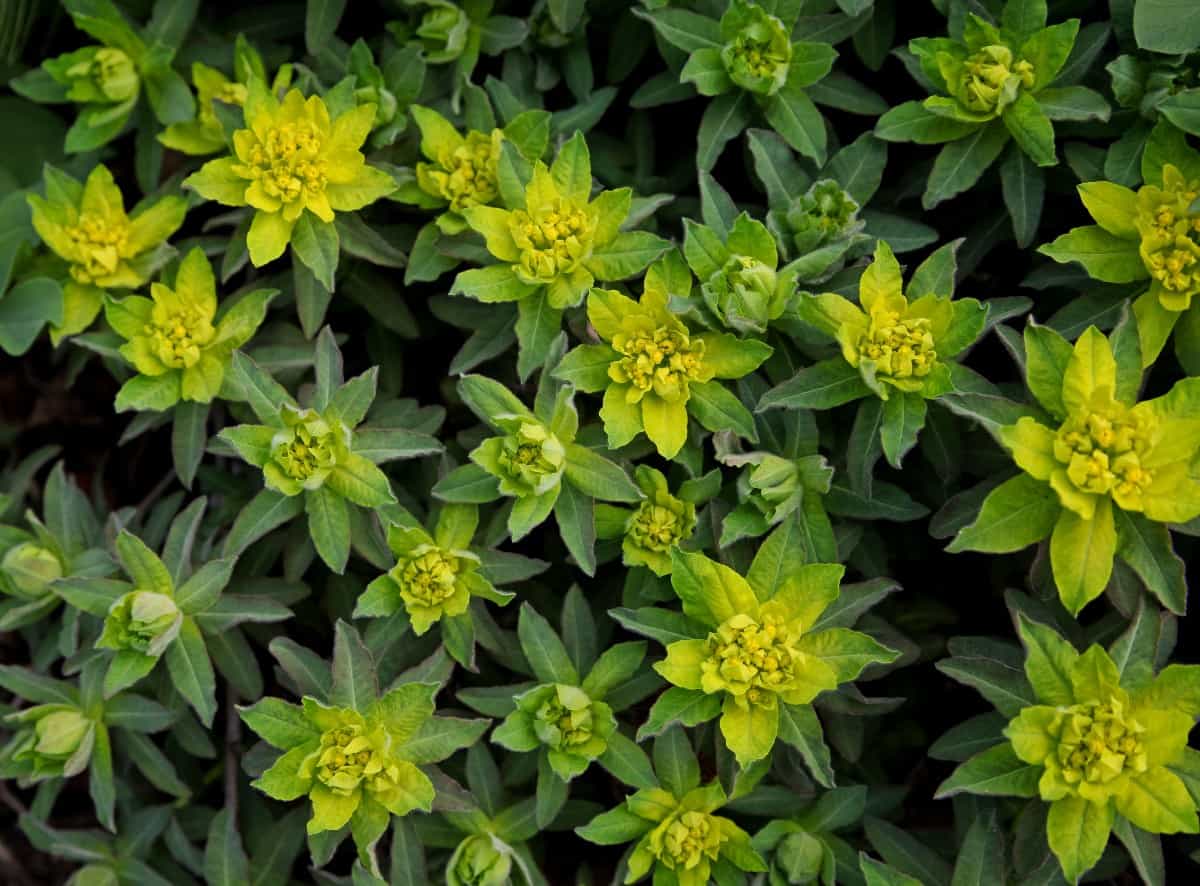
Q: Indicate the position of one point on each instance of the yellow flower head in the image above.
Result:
(173, 337)
(990, 79)
(305, 450)
(1103, 447)
(689, 840)
(462, 168)
(87, 227)
(293, 157)
(1170, 238)
(431, 584)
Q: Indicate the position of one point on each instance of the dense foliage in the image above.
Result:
(682, 441)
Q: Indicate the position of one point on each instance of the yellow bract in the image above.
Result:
(1170, 237)
(686, 840)
(293, 157)
(463, 173)
(553, 236)
(657, 354)
(749, 658)
(430, 586)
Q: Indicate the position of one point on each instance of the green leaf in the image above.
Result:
(1081, 554)
(191, 671)
(25, 309)
(1146, 547)
(678, 705)
(225, 862)
(538, 325)
(903, 418)
(574, 512)
(724, 119)
(354, 684)
(1104, 256)
(800, 728)
(1166, 26)
(328, 526)
(1077, 831)
(1019, 512)
(1031, 129)
(982, 853)
(913, 122)
(627, 762)
(544, 650)
(1024, 188)
(793, 115)
(675, 762)
(321, 19)
(1048, 662)
(820, 386)
(905, 853)
(596, 476)
(717, 409)
(960, 164)
(268, 510)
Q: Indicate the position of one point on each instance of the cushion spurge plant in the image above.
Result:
(1104, 745)
(654, 371)
(1102, 475)
(761, 657)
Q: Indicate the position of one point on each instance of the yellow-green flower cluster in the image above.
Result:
(988, 80)
(1170, 238)
(572, 727)
(292, 158)
(757, 52)
(103, 247)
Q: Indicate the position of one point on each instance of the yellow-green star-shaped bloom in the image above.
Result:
(104, 247)
(175, 337)
(292, 158)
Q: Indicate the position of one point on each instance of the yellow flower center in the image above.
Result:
(307, 451)
(465, 176)
(429, 578)
(687, 840)
(100, 242)
(553, 240)
(987, 74)
(1170, 245)
(748, 658)
(655, 527)
(1097, 742)
(1103, 449)
(178, 338)
(573, 728)
(901, 347)
(288, 162)
(348, 758)
(532, 458)
(663, 358)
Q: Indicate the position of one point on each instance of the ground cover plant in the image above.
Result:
(599, 441)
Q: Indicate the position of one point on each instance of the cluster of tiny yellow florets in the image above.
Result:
(656, 527)
(1170, 244)
(553, 240)
(178, 337)
(986, 73)
(429, 578)
(1103, 450)
(686, 840)
(1097, 742)
(348, 758)
(747, 657)
(305, 453)
(100, 240)
(287, 163)
(662, 358)
(465, 176)
(901, 347)
(574, 727)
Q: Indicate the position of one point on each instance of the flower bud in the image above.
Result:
(30, 568)
(57, 743)
(442, 31)
(799, 858)
(746, 294)
(758, 57)
(480, 860)
(823, 214)
(142, 621)
(531, 460)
